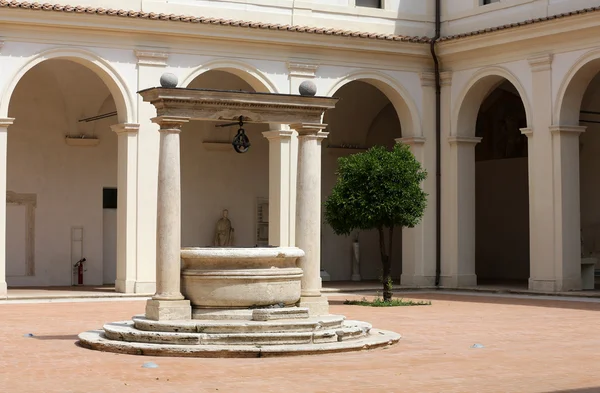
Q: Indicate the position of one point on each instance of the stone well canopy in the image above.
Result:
(210, 104)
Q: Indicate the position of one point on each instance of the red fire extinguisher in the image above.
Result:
(80, 270)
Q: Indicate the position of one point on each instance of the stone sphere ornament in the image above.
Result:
(308, 88)
(168, 80)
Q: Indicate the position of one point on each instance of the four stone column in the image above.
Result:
(168, 302)
(280, 187)
(308, 215)
(458, 221)
(4, 124)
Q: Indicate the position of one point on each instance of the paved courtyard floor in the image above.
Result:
(529, 345)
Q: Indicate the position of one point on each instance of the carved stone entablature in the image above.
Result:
(207, 104)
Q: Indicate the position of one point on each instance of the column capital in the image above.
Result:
(427, 79)
(6, 121)
(458, 139)
(310, 129)
(170, 124)
(151, 58)
(276, 135)
(412, 140)
(527, 131)
(446, 78)
(541, 62)
(125, 128)
(567, 130)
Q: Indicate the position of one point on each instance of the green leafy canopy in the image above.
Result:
(377, 189)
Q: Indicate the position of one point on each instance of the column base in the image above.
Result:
(317, 305)
(3, 291)
(124, 286)
(417, 281)
(148, 287)
(550, 285)
(168, 310)
(459, 281)
(356, 277)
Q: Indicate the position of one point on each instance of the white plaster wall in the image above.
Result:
(215, 180)
(67, 180)
(461, 16)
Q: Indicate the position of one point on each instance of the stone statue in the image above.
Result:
(224, 231)
(356, 260)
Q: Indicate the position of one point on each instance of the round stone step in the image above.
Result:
(97, 340)
(241, 326)
(126, 331)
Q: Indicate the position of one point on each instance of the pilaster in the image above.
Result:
(280, 187)
(458, 220)
(542, 201)
(4, 124)
(567, 232)
(127, 207)
(151, 65)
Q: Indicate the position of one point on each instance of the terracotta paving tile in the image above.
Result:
(529, 346)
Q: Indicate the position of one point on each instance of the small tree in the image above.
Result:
(377, 189)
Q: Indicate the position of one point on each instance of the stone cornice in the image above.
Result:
(456, 140)
(126, 128)
(7, 121)
(541, 62)
(568, 130)
(412, 140)
(528, 132)
(278, 135)
(302, 70)
(151, 58)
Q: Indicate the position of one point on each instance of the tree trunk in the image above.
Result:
(386, 277)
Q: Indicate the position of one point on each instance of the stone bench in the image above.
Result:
(588, 268)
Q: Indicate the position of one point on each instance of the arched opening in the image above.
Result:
(589, 165)
(501, 189)
(62, 176)
(215, 178)
(363, 117)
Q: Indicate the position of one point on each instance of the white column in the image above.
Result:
(419, 243)
(168, 302)
(458, 221)
(4, 124)
(308, 215)
(151, 65)
(567, 243)
(280, 187)
(126, 207)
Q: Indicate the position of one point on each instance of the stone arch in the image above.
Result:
(397, 94)
(116, 85)
(573, 88)
(479, 87)
(250, 74)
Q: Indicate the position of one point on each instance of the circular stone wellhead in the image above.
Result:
(168, 80)
(308, 88)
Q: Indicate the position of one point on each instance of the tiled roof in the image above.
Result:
(272, 26)
(518, 24)
(211, 21)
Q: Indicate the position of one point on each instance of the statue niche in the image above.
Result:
(224, 231)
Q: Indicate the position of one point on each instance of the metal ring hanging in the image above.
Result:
(241, 143)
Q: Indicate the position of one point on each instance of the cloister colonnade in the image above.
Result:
(553, 89)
